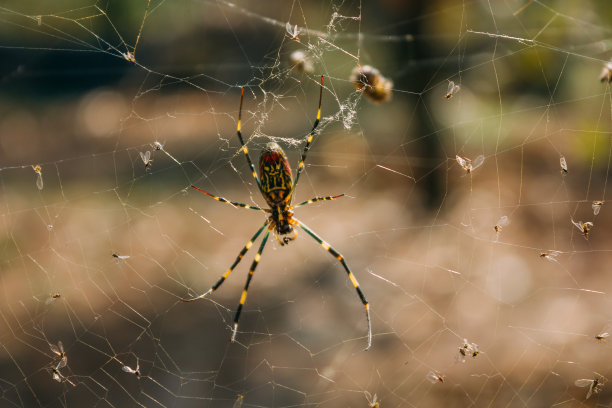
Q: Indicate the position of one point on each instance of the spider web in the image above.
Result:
(98, 248)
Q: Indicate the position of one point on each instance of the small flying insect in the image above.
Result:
(596, 206)
(59, 350)
(434, 377)
(602, 336)
(293, 32)
(130, 370)
(52, 299)
(146, 159)
(301, 62)
(59, 377)
(502, 222)
(563, 164)
(468, 165)
(39, 180)
(584, 227)
(371, 83)
(593, 384)
(129, 56)
(452, 90)
(372, 401)
(550, 256)
(120, 258)
(606, 73)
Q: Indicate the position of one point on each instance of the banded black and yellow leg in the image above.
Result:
(314, 200)
(231, 268)
(232, 203)
(309, 140)
(340, 258)
(248, 282)
(244, 148)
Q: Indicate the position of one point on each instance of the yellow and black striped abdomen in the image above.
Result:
(275, 175)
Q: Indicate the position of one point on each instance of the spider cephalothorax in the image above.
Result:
(276, 184)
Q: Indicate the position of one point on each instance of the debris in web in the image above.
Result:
(372, 83)
(301, 62)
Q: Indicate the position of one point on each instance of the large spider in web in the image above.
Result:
(277, 186)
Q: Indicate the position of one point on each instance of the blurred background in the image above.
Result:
(100, 240)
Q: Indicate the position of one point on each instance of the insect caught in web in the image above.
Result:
(434, 377)
(277, 186)
(585, 227)
(39, 180)
(596, 206)
(469, 165)
(146, 159)
(130, 370)
(593, 384)
(452, 89)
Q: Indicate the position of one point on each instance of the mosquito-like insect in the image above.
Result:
(372, 401)
(469, 165)
(146, 159)
(602, 336)
(130, 370)
(563, 164)
(434, 377)
(371, 83)
(452, 90)
(606, 73)
(59, 377)
(596, 206)
(593, 384)
(584, 227)
(301, 62)
(550, 256)
(502, 222)
(59, 350)
(293, 32)
(39, 180)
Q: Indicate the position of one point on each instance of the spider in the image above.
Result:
(277, 186)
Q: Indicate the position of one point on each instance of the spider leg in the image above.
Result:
(314, 200)
(308, 141)
(232, 203)
(231, 268)
(244, 148)
(248, 282)
(340, 258)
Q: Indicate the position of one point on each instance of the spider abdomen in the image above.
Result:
(275, 175)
